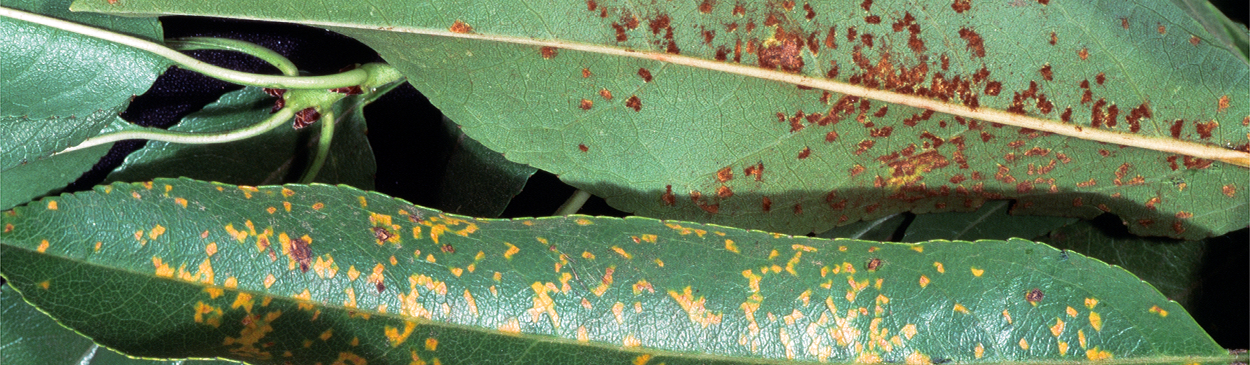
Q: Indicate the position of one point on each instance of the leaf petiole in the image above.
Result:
(323, 147)
(279, 61)
(162, 135)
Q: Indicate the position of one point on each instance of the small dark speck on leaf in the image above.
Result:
(1035, 295)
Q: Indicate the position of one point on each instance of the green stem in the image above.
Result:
(344, 79)
(574, 203)
(162, 135)
(223, 44)
(323, 147)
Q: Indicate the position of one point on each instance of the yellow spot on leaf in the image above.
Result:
(685, 231)
(979, 351)
(977, 272)
(237, 234)
(1007, 315)
(752, 280)
(1057, 328)
(659, 263)
(97, 245)
(512, 325)
(960, 308)
(794, 316)
(794, 261)
(512, 250)
(350, 302)
(695, 308)
(135, 195)
(1063, 348)
(642, 359)
(162, 269)
(803, 248)
(305, 295)
(43, 246)
(271, 210)
(618, 311)
(214, 292)
(347, 358)
(1024, 344)
(643, 285)
(207, 314)
(395, 336)
(180, 201)
(1096, 321)
(650, 238)
(1080, 337)
(231, 282)
(363, 202)
(1090, 303)
(269, 280)
(1095, 354)
(318, 205)
(620, 251)
(909, 331)
(924, 281)
(787, 343)
(52, 205)
(139, 236)
(1160, 311)
(326, 335)
(582, 334)
(352, 274)
(287, 193)
(45, 284)
(395, 261)
(917, 248)
(917, 358)
(286, 206)
(1072, 312)
(468, 298)
(325, 268)
(605, 282)
(457, 271)
(631, 341)
(543, 304)
(940, 268)
(730, 246)
(243, 300)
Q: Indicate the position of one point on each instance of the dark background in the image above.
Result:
(403, 121)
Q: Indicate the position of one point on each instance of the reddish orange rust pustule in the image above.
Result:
(874, 264)
(605, 94)
(804, 153)
(633, 103)
(976, 45)
(585, 73)
(706, 6)
(756, 170)
(1047, 74)
(586, 104)
(644, 74)
(1194, 40)
(1034, 296)
(448, 248)
(961, 6)
(668, 198)
(766, 204)
(867, 5)
(583, 148)
(724, 174)
(798, 209)
(548, 52)
(302, 253)
(1083, 54)
(724, 192)
(1223, 104)
(460, 27)
(1054, 38)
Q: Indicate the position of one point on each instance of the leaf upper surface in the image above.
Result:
(61, 88)
(541, 83)
(318, 274)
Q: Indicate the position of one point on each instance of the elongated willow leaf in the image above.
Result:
(59, 88)
(319, 274)
(714, 110)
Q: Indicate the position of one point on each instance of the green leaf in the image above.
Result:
(1172, 266)
(46, 175)
(71, 86)
(188, 268)
(880, 229)
(992, 221)
(479, 182)
(274, 157)
(700, 127)
(31, 337)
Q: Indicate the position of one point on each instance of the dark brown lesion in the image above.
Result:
(381, 233)
(301, 253)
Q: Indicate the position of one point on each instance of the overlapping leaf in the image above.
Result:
(307, 274)
(665, 140)
(61, 88)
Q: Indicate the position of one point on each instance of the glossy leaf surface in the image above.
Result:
(593, 91)
(61, 88)
(278, 155)
(322, 274)
(28, 336)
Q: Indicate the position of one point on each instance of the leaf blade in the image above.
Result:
(217, 278)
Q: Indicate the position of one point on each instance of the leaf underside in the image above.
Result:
(673, 141)
(306, 274)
